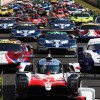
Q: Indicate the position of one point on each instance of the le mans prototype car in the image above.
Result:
(51, 78)
(12, 52)
(89, 56)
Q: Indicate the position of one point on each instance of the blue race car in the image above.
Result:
(7, 23)
(62, 24)
(57, 41)
(15, 6)
(47, 6)
(24, 31)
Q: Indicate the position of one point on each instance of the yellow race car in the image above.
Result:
(81, 17)
(6, 11)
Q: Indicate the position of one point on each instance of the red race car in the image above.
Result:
(12, 52)
(51, 78)
(39, 21)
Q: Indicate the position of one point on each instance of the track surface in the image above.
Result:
(9, 78)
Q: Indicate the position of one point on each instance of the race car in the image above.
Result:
(51, 78)
(68, 2)
(6, 11)
(39, 21)
(97, 19)
(62, 24)
(41, 11)
(26, 31)
(88, 30)
(12, 52)
(15, 6)
(7, 23)
(89, 56)
(81, 17)
(47, 6)
(57, 41)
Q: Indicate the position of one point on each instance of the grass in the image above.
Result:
(89, 6)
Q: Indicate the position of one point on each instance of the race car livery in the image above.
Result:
(6, 11)
(89, 56)
(7, 23)
(62, 24)
(51, 79)
(81, 17)
(12, 51)
(88, 30)
(57, 41)
(26, 31)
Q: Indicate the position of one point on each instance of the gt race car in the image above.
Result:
(81, 17)
(97, 19)
(57, 41)
(6, 11)
(89, 56)
(26, 31)
(12, 52)
(62, 24)
(88, 31)
(51, 78)
(7, 23)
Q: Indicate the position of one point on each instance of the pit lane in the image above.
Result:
(9, 78)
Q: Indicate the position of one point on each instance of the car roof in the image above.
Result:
(94, 41)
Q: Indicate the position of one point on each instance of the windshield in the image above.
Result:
(7, 21)
(26, 27)
(57, 37)
(10, 47)
(62, 21)
(87, 27)
(81, 15)
(94, 47)
(53, 69)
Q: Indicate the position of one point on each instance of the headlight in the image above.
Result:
(67, 25)
(10, 25)
(87, 55)
(18, 31)
(32, 31)
(56, 25)
(65, 42)
(47, 41)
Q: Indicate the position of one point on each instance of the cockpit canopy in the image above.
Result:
(51, 66)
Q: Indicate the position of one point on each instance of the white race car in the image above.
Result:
(51, 78)
(89, 57)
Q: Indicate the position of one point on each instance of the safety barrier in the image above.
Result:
(94, 2)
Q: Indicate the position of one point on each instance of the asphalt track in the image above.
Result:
(9, 78)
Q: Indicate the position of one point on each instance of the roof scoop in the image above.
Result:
(49, 57)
